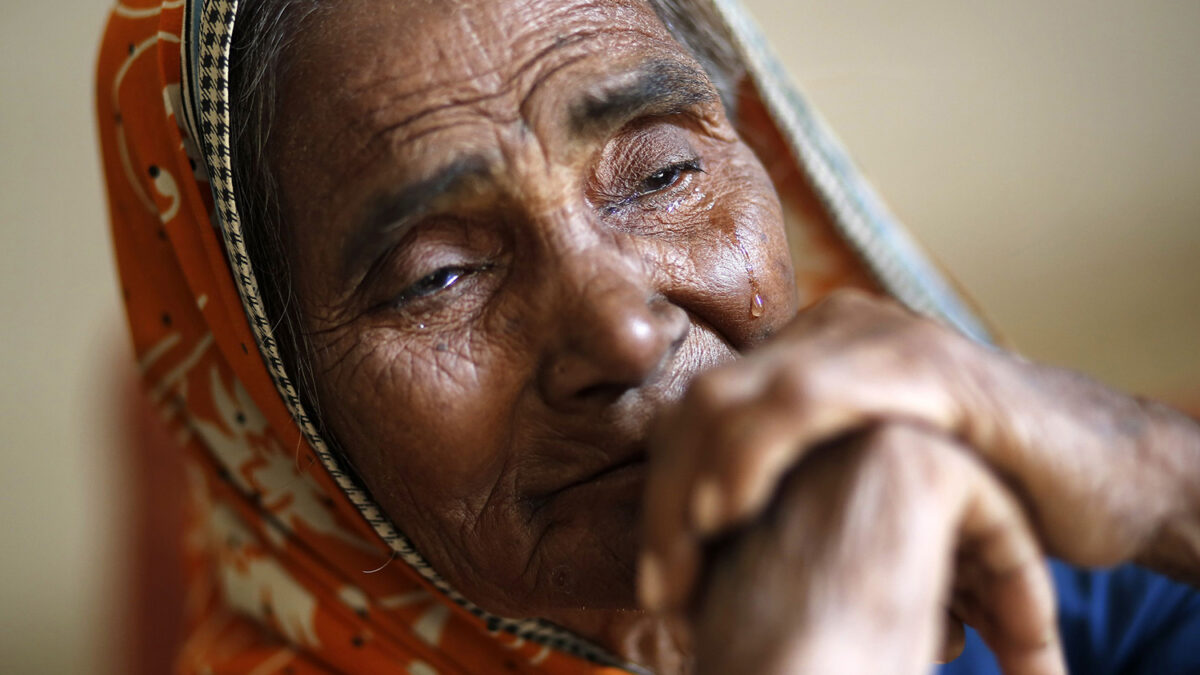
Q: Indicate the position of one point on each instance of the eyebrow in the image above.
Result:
(391, 215)
(658, 88)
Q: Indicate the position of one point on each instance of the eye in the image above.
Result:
(432, 283)
(667, 176)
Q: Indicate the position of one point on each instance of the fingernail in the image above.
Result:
(706, 506)
(650, 582)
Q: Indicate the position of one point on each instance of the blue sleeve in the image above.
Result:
(1126, 621)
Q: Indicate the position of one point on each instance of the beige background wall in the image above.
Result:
(61, 331)
(1046, 152)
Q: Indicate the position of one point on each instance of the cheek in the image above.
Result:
(756, 219)
(423, 412)
(738, 272)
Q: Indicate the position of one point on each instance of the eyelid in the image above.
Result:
(636, 192)
(436, 241)
(635, 153)
(466, 273)
(454, 274)
(687, 165)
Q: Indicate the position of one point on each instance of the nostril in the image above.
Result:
(676, 324)
(683, 326)
(602, 391)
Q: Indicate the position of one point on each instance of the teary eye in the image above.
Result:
(432, 283)
(667, 176)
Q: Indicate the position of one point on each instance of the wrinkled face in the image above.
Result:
(517, 230)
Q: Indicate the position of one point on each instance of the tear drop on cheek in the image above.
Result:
(756, 299)
(420, 326)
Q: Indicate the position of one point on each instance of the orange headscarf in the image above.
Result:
(290, 567)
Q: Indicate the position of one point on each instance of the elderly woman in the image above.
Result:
(486, 351)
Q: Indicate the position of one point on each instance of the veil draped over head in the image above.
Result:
(290, 566)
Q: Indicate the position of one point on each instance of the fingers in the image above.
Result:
(827, 580)
(852, 362)
(803, 399)
(954, 638)
(853, 562)
(667, 565)
(717, 459)
(720, 403)
(1002, 585)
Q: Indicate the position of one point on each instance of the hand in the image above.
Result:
(1100, 473)
(852, 567)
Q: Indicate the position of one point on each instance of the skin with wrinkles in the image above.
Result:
(589, 291)
(880, 490)
(1077, 451)
(525, 240)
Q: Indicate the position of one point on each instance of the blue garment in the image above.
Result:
(1126, 621)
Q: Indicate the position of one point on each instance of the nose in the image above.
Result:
(615, 333)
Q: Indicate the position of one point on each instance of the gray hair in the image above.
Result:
(262, 35)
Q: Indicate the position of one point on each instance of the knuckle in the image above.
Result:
(862, 317)
(851, 297)
(794, 386)
(923, 330)
(875, 309)
(909, 455)
(893, 436)
(732, 446)
(710, 391)
(890, 442)
(847, 301)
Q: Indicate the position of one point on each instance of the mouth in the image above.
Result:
(622, 478)
(632, 466)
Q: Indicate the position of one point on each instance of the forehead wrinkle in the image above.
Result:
(474, 92)
(456, 80)
(374, 151)
(363, 130)
(375, 140)
(631, 33)
(363, 111)
(505, 86)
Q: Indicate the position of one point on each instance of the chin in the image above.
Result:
(587, 549)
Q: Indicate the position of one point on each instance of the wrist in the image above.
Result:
(1174, 549)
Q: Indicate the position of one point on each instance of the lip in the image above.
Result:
(632, 465)
(630, 470)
